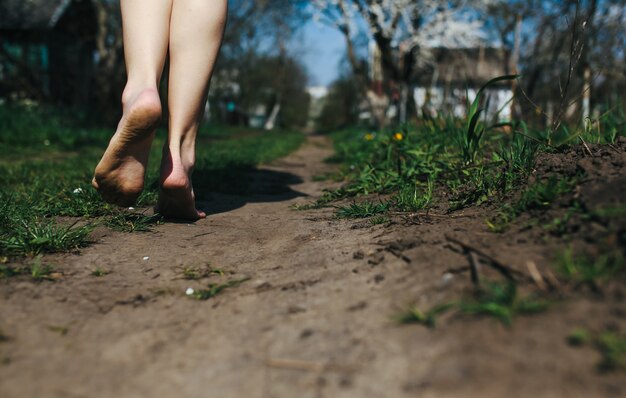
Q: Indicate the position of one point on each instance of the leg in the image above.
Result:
(196, 33)
(119, 177)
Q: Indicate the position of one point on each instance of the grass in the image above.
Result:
(47, 157)
(33, 237)
(495, 299)
(37, 271)
(214, 289)
(538, 196)
(189, 272)
(132, 222)
(429, 318)
(362, 210)
(99, 272)
(501, 301)
(584, 268)
(458, 162)
(611, 346)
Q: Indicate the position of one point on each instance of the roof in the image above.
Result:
(31, 14)
(460, 66)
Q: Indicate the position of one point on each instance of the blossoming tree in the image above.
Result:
(400, 33)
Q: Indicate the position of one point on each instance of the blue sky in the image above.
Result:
(322, 50)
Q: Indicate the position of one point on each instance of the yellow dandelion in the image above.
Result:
(398, 136)
(369, 137)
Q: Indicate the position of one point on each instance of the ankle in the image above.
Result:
(131, 93)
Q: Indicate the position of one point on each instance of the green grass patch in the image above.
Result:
(47, 158)
(189, 272)
(363, 209)
(585, 268)
(463, 162)
(99, 272)
(501, 301)
(132, 222)
(497, 300)
(33, 237)
(611, 346)
(37, 270)
(538, 196)
(214, 289)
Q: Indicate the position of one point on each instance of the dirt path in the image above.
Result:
(314, 320)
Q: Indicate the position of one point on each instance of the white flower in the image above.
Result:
(146, 258)
(189, 291)
(78, 191)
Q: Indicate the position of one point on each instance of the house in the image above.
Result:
(47, 50)
(451, 75)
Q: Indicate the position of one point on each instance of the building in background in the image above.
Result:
(47, 50)
(453, 77)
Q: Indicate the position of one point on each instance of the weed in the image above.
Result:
(8, 271)
(518, 153)
(538, 196)
(379, 220)
(542, 194)
(495, 299)
(613, 349)
(132, 222)
(412, 199)
(363, 210)
(35, 237)
(62, 330)
(429, 319)
(214, 289)
(587, 269)
(195, 273)
(578, 337)
(40, 271)
(610, 345)
(502, 302)
(470, 140)
(99, 272)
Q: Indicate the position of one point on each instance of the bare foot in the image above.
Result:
(119, 177)
(176, 198)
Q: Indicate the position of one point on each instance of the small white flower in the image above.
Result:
(189, 291)
(78, 191)
(146, 258)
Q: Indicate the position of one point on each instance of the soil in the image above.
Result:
(317, 316)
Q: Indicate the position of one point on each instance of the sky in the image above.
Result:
(322, 49)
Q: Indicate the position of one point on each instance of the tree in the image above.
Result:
(255, 67)
(402, 32)
(340, 105)
(110, 71)
(571, 52)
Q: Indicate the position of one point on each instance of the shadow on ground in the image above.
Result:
(220, 191)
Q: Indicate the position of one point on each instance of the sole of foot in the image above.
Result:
(119, 177)
(176, 197)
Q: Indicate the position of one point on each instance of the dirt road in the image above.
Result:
(315, 319)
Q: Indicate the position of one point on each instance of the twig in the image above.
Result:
(586, 146)
(506, 271)
(475, 268)
(552, 281)
(536, 275)
(319, 367)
